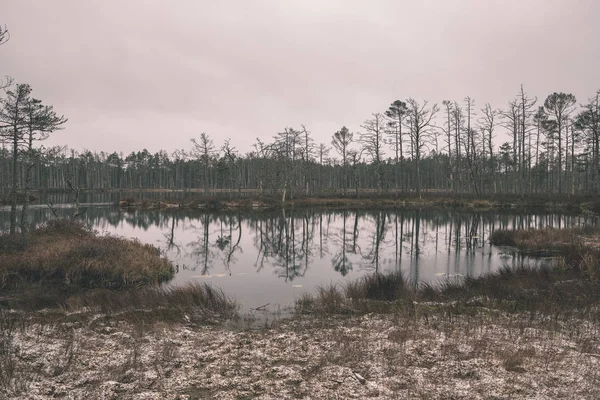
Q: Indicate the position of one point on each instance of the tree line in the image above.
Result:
(410, 147)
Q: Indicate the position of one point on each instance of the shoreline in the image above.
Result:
(253, 200)
(583, 205)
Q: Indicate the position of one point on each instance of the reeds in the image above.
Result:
(192, 302)
(546, 289)
(377, 287)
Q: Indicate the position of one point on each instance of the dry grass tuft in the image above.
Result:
(377, 286)
(515, 361)
(191, 303)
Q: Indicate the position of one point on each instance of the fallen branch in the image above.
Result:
(51, 207)
(261, 308)
(359, 377)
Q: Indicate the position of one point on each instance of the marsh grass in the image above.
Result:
(577, 249)
(330, 298)
(569, 284)
(10, 375)
(66, 253)
(189, 303)
(547, 239)
(537, 290)
(384, 287)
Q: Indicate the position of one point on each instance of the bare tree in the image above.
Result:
(420, 118)
(287, 150)
(458, 127)
(308, 153)
(540, 120)
(40, 121)
(487, 124)
(231, 154)
(355, 158)
(574, 134)
(588, 121)
(559, 106)
(511, 121)
(13, 118)
(204, 150)
(396, 114)
(372, 140)
(470, 147)
(341, 140)
(323, 154)
(448, 131)
(527, 112)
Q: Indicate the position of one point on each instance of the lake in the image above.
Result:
(273, 257)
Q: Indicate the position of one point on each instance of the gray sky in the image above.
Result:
(153, 74)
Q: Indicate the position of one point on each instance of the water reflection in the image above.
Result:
(272, 257)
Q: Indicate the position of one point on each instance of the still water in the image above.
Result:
(273, 257)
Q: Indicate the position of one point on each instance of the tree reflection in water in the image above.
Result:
(292, 244)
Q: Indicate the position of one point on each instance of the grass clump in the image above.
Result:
(372, 293)
(193, 303)
(68, 254)
(327, 300)
(377, 286)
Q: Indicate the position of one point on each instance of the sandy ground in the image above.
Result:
(308, 357)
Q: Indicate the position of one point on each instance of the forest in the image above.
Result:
(413, 146)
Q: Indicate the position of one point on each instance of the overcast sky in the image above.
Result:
(153, 74)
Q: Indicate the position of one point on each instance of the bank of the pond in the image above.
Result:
(384, 342)
(6, 199)
(569, 286)
(575, 204)
(65, 253)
